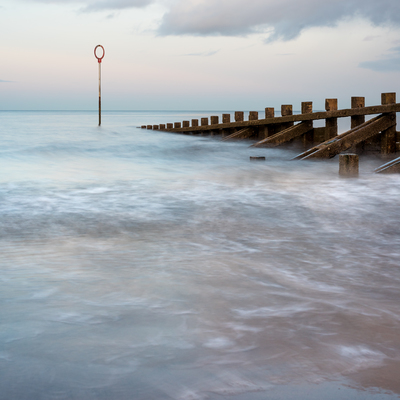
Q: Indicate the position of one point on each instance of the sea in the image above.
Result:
(139, 265)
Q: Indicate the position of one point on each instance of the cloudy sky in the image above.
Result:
(197, 54)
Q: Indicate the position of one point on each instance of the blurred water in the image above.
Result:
(146, 265)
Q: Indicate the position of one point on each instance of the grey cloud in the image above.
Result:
(388, 63)
(115, 4)
(286, 19)
(279, 19)
(206, 54)
(100, 5)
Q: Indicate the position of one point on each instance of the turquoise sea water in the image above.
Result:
(137, 264)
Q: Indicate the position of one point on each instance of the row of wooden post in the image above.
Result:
(286, 109)
(387, 140)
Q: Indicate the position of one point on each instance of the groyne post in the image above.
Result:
(331, 124)
(388, 137)
(253, 116)
(267, 130)
(204, 122)
(186, 124)
(226, 119)
(286, 109)
(348, 165)
(358, 102)
(308, 138)
(214, 120)
(239, 116)
(170, 126)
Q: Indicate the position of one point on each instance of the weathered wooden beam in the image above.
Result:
(348, 165)
(333, 140)
(226, 119)
(241, 134)
(239, 116)
(390, 167)
(284, 136)
(269, 112)
(265, 131)
(308, 117)
(214, 120)
(357, 136)
(308, 136)
(253, 115)
(388, 138)
(286, 110)
(331, 124)
(357, 102)
(162, 127)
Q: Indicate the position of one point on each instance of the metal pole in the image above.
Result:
(99, 93)
(99, 59)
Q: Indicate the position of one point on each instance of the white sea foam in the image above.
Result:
(169, 266)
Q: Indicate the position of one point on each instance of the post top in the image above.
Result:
(99, 59)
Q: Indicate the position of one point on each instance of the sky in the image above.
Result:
(197, 54)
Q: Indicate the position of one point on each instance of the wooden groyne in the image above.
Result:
(377, 135)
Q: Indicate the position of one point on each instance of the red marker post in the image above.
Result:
(99, 48)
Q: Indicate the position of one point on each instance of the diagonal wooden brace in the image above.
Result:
(241, 134)
(285, 135)
(335, 139)
(353, 137)
(390, 167)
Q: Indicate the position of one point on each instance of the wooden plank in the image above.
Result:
(329, 141)
(285, 136)
(380, 109)
(355, 137)
(357, 102)
(308, 137)
(331, 124)
(390, 167)
(348, 165)
(242, 134)
(356, 120)
(388, 137)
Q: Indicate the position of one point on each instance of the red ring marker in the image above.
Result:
(104, 53)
